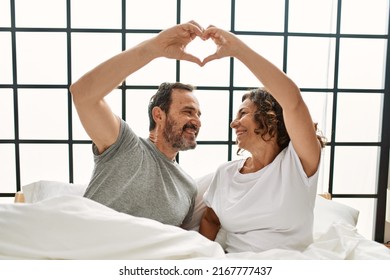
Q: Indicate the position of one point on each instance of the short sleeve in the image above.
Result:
(126, 137)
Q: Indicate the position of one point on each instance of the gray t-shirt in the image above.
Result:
(132, 176)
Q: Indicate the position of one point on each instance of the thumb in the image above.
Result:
(191, 58)
(209, 58)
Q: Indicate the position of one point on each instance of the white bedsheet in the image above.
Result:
(340, 242)
(73, 227)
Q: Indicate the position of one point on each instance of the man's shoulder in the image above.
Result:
(126, 132)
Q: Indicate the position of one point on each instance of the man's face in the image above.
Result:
(182, 123)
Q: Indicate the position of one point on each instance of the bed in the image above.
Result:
(56, 222)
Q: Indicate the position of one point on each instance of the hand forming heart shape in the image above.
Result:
(189, 41)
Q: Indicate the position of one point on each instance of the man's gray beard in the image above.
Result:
(175, 139)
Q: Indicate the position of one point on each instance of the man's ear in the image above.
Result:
(158, 115)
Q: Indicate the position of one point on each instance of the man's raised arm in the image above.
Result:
(89, 91)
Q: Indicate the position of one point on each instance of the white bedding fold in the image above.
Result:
(339, 242)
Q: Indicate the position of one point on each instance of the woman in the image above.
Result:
(266, 200)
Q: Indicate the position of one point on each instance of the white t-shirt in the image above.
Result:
(271, 208)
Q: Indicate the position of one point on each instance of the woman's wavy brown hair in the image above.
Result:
(269, 117)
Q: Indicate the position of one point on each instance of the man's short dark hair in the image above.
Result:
(163, 99)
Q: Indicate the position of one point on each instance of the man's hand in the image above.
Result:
(172, 42)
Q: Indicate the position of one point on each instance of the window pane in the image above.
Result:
(44, 162)
(205, 12)
(260, 15)
(41, 13)
(366, 207)
(310, 61)
(114, 100)
(215, 73)
(104, 46)
(6, 114)
(96, 14)
(7, 168)
(355, 170)
(5, 13)
(323, 178)
(82, 163)
(203, 159)
(365, 17)
(43, 114)
(137, 102)
(215, 122)
(139, 14)
(271, 47)
(6, 58)
(320, 105)
(41, 58)
(359, 117)
(312, 16)
(362, 63)
(200, 48)
(156, 72)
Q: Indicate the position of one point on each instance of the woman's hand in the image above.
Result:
(228, 44)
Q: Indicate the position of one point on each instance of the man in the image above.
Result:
(134, 175)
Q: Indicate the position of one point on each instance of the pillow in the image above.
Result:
(328, 212)
(42, 190)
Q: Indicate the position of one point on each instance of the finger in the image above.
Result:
(196, 24)
(191, 58)
(210, 26)
(209, 58)
(193, 28)
(193, 36)
(211, 31)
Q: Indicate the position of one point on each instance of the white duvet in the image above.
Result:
(73, 227)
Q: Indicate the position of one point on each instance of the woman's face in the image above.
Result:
(245, 125)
